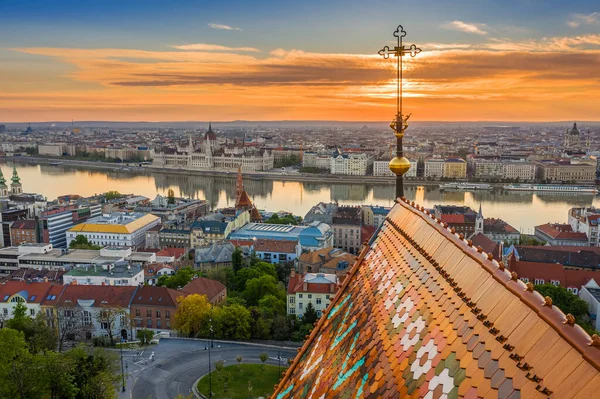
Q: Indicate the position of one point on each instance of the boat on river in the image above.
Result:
(552, 188)
(466, 186)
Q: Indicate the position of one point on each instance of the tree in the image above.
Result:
(564, 300)
(17, 376)
(234, 322)
(108, 317)
(145, 336)
(192, 313)
(71, 323)
(283, 271)
(257, 288)
(58, 368)
(95, 372)
(263, 358)
(181, 278)
(271, 306)
(110, 195)
(38, 335)
(171, 197)
(310, 314)
(280, 328)
(237, 259)
(81, 242)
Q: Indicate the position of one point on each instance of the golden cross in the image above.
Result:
(400, 123)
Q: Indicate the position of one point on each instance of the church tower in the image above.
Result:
(3, 187)
(16, 187)
(479, 221)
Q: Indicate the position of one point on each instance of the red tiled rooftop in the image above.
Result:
(453, 218)
(282, 246)
(562, 232)
(32, 292)
(156, 296)
(174, 252)
(204, 286)
(102, 295)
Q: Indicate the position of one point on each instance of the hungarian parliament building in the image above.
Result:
(213, 155)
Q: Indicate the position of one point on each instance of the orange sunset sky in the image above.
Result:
(86, 64)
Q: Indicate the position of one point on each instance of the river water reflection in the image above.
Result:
(521, 209)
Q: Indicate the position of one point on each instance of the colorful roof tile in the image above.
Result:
(423, 313)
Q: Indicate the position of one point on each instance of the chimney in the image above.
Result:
(45, 279)
(331, 287)
(292, 274)
(305, 286)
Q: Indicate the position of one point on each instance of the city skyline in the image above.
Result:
(518, 61)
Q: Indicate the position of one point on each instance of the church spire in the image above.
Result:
(2, 179)
(15, 177)
(239, 186)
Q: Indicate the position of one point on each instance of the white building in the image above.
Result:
(117, 229)
(522, 170)
(119, 274)
(349, 164)
(316, 288)
(585, 220)
(382, 168)
(212, 156)
(485, 168)
(590, 293)
(434, 168)
(31, 295)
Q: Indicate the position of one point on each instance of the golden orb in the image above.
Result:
(399, 165)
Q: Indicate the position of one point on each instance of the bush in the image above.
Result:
(103, 342)
(145, 336)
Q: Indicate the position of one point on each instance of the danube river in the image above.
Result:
(521, 209)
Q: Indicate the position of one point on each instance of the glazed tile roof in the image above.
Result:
(424, 314)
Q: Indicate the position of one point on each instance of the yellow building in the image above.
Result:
(455, 168)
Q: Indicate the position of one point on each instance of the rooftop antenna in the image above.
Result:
(399, 165)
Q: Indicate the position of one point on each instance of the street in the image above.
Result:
(178, 363)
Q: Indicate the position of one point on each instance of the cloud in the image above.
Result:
(466, 27)
(576, 20)
(213, 47)
(223, 27)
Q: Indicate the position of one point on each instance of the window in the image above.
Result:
(309, 296)
(525, 280)
(292, 311)
(137, 312)
(148, 313)
(300, 305)
(575, 291)
(158, 314)
(168, 323)
(326, 296)
(158, 323)
(300, 296)
(555, 282)
(149, 323)
(5, 311)
(138, 323)
(292, 299)
(318, 301)
(87, 318)
(318, 313)
(538, 281)
(167, 314)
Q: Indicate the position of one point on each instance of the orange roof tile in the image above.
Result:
(423, 314)
(204, 286)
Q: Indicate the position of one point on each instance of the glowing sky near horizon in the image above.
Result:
(313, 60)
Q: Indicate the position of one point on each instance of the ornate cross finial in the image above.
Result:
(400, 123)
(399, 165)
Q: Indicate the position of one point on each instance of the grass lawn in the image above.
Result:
(234, 381)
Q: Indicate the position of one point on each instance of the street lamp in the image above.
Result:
(209, 363)
(122, 368)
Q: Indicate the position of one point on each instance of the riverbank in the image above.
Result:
(275, 176)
